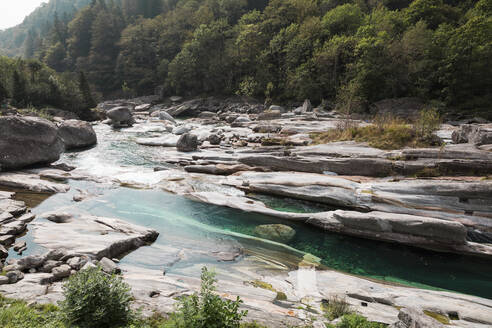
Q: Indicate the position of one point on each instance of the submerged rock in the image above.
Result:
(77, 134)
(25, 141)
(276, 232)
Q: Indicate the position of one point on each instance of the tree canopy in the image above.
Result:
(349, 53)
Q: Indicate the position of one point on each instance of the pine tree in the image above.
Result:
(29, 45)
(85, 91)
(19, 89)
(3, 93)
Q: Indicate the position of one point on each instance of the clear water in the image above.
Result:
(199, 229)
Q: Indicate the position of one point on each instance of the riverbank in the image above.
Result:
(344, 188)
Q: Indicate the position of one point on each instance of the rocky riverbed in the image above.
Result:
(58, 218)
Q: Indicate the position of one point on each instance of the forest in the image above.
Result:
(342, 54)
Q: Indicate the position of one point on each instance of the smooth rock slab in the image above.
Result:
(93, 236)
(31, 182)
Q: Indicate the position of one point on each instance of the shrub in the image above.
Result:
(95, 299)
(357, 321)
(208, 310)
(387, 132)
(336, 307)
(427, 123)
(17, 314)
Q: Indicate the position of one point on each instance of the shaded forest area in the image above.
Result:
(345, 54)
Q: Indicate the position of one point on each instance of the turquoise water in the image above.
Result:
(188, 225)
(199, 229)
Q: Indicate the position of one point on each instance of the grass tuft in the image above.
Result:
(387, 132)
(336, 307)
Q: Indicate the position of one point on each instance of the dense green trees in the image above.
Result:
(30, 83)
(349, 53)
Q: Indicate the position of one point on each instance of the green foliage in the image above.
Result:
(428, 122)
(95, 299)
(207, 309)
(350, 52)
(357, 321)
(16, 314)
(336, 307)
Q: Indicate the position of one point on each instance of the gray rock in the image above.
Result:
(14, 276)
(49, 265)
(19, 245)
(26, 141)
(276, 232)
(11, 267)
(7, 240)
(13, 228)
(412, 318)
(214, 139)
(31, 261)
(267, 128)
(269, 115)
(142, 108)
(56, 254)
(95, 237)
(343, 166)
(219, 169)
(241, 121)
(277, 108)
(4, 280)
(472, 133)
(77, 262)
(207, 115)
(61, 271)
(109, 266)
(120, 116)
(180, 130)
(299, 111)
(88, 265)
(3, 252)
(166, 117)
(77, 134)
(307, 107)
(30, 182)
(187, 143)
(57, 217)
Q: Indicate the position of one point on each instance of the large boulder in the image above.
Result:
(26, 141)
(269, 115)
(77, 134)
(307, 106)
(472, 133)
(276, 232)
(120, 116)
(187, 143)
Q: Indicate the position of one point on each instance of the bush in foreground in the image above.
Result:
(208, 310)
(95, 299)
